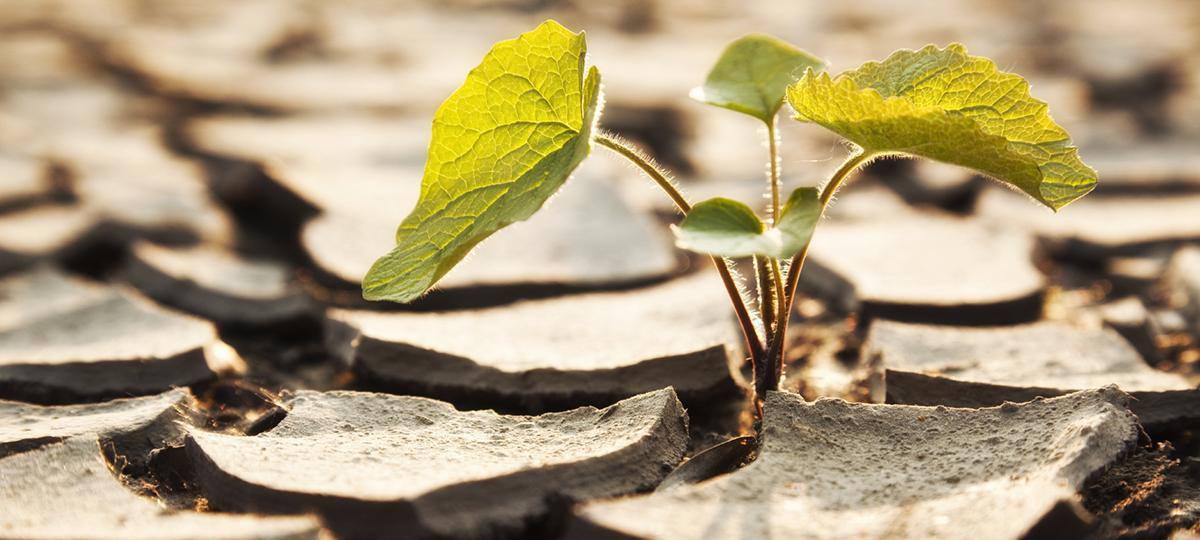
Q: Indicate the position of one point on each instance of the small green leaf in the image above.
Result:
(728, 228)
(798, 219)
(752, 75)
(723, 227)
(502, 144)
(946, 105)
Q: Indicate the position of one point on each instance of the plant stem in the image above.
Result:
(770, 286)
(777, 276)
(773, 146)
(768, 294)
(770, 289)
(647, 167)
(770, 377)
(753, 343)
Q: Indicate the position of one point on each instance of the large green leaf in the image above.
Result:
(502, 144)
(752, 75)
(946, 105)
(728, 228)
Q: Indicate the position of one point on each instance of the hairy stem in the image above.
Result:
(753, 343)
(770, 286)
(768, 294)
(773, 168)
(777, 276)
(768, 379)
(770, 289)
(659, 177)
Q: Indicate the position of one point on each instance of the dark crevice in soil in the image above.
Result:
(1016, 311)
(722, 458)
(718, 421)
(98, 55)
(269, 218)
(1066, 520)
(42, 394)
(166, 476)
(299, 342)
(1143, 95)
(27, 445)
(723, 402)
(236, 406)
(1150, 494)
(146, 460)
(152, 462)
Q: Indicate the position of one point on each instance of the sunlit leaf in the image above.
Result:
(752, 75)
(946, 105)
(502, 144)
(728, 228)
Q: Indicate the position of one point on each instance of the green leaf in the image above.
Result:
(798, 219)
(752, 75)
(728, 228)
(502, 144)
(946, 105)
(723, 227)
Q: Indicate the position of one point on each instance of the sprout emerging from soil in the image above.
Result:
(526, 116)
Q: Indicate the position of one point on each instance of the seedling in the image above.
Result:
(506, 141)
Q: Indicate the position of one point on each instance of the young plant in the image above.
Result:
(506, 140)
